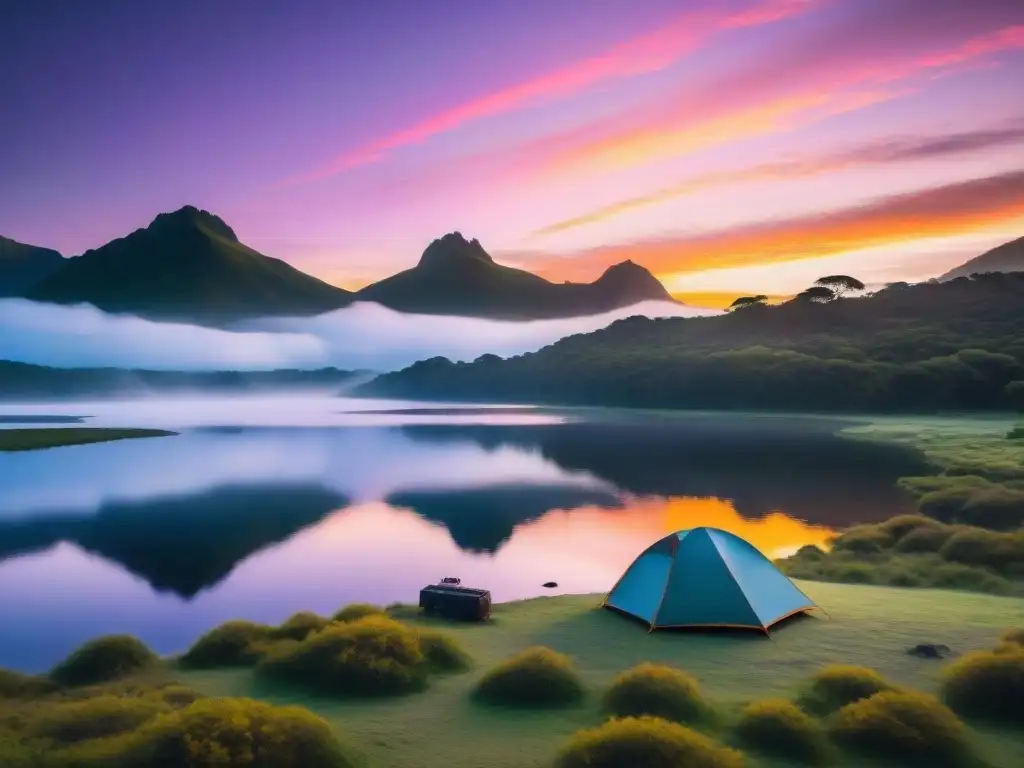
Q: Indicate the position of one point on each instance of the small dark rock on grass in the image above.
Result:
(930, 651)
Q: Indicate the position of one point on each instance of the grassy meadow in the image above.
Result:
(444, 728)
(442, 723)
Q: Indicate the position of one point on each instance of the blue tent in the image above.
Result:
(705, 577)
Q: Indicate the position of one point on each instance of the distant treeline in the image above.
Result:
(19, 381)
(957, 345)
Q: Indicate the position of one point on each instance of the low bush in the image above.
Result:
(14, 685)
(645, 741)
(898, 527)
(374, 656)
(232, 732)
(988, 685)
(1017, 433)
(780, 729)
(300, 625)
(968, 577)
(659, 691)
(443, 652)
(989, 549)
(1013, 636)
(232, 644)
(357, 611)
(403, 611)
(535, 678)
(925, 539)
(854, 572)
(95, 717)
(178, 695)
(903, 726)
(103, 659)
(16, 752)
(837, 685)
(863, 540)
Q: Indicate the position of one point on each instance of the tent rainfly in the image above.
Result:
(706, 577)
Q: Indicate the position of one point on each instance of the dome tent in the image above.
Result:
(706, 577)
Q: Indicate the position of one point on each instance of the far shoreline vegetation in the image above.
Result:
(38, 439)
(929, 348)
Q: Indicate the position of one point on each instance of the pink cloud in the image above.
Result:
(649, 53)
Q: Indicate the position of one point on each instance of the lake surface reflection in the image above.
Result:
(261, 509)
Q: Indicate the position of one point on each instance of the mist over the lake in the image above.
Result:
(361, 336)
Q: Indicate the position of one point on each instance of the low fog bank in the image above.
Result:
(364, 336)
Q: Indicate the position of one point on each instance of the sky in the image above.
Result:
(730, 146)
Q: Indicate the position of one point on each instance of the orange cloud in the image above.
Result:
(892, 150)
(953, 209)
(832, 88)
(643, 55)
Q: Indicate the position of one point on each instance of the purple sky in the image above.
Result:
(730, 146)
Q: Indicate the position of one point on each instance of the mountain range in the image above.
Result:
(1008, 257)
(190, 266)
(24, 266)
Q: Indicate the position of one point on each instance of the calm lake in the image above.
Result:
(262, 507)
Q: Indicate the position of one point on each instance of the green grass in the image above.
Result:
(38, 439)
(966, 445)
(443, 726)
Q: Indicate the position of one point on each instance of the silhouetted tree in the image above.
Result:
(817, 294)
(840, 284)
(749, 301)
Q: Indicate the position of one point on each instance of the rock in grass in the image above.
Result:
(930, 651)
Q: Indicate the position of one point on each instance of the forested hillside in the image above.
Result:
(957, 345)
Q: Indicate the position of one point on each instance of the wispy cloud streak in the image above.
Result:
(897, 149)
(643, 55)
(782, 95)
(952, 209)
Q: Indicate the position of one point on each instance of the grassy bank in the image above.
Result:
(38, 439)
(445, 723)
(869, 626)
(969, 533)
(968, 445)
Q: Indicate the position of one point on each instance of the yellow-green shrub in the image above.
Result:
(234, 643)
(300, 625)
(357, 611)
(904, 726)
(779, 728)
(837, 685)
(225, 732)
(1014, 636)
(646, 742)
(372, 656)
(103, 659)
(15, 685)
(178, 695)
(656, 690)
(537, 677)
(94, 717)
(987, 685)
(443, 652)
